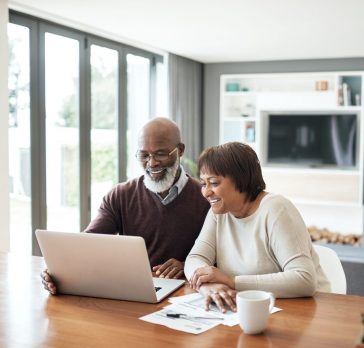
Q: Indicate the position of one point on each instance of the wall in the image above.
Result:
(4, 177)
(212, 74)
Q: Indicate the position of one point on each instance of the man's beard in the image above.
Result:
(166, 182)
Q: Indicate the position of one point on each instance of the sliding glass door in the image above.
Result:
(19, 139)
(76, 102)
(104, 122)
(62, 132)
(138, 74)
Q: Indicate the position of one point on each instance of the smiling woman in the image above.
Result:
(241, 183)
(257, 240)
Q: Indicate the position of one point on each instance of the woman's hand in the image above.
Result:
(210, 274)
(220, 294)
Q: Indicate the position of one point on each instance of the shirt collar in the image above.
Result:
(178, 185)
(182, 180)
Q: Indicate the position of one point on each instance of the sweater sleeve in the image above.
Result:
(290, 246)
(107, 220)
(203, 253)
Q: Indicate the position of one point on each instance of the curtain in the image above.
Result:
(185, 103)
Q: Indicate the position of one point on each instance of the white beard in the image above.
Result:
(165, 183)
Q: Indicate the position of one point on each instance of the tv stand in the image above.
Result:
(327, 197)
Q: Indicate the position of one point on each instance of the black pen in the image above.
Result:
(185, 316)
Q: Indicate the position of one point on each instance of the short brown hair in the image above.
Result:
(237, 161)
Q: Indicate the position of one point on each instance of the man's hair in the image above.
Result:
(237, 161)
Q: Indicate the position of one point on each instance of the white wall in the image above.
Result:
(4, 177)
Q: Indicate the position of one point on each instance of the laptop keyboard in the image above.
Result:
(157, 288)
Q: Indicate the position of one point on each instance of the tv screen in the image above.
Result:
(312, 140)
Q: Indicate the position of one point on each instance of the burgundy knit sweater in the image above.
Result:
(169, 230)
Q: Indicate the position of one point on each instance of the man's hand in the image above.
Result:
(223, 296)
(48, 282)
(170, 269)
(210, 274)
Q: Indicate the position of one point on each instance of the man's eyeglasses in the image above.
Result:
(158, 156)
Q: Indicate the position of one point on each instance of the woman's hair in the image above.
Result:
(237, 161)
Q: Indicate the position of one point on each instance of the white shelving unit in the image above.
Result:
(328, 198)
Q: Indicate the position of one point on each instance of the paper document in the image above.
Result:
(187, 313)
(189, 324)
(196, 302)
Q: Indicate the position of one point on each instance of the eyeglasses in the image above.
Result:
(158, 156)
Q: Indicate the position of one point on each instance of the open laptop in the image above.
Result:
(100, 265)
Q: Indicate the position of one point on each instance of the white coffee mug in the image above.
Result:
(253, 308)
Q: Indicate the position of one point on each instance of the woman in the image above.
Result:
(256, 239)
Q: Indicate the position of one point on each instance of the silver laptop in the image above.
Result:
(100, 265)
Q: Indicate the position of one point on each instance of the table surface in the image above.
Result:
(29, 317)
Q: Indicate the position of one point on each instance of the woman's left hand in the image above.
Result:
(223, 296)
(210, 274)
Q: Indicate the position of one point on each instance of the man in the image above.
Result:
(164, 206)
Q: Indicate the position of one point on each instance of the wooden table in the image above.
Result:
(29, 317)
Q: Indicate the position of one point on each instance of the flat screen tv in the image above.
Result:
(313, 140)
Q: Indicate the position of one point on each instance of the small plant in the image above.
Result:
(190, 167)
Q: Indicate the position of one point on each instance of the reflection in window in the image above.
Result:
(62, 132)
(104, 111)
(19, 140)
(138, 73)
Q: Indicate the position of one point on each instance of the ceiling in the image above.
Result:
(212, 31)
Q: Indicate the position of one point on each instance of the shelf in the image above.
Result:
(309, 170)
(349, 108)
(280, 82)
(350, 90)
(239, 94)
(240, 118)
(239, 128)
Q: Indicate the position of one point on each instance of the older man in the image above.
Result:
(164, 206)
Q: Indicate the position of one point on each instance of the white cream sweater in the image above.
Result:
(269, 250)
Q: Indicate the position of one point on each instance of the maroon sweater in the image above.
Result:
(169, 230)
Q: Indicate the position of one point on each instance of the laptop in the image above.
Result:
(101, 265)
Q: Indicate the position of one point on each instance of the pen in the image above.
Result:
(181, 315)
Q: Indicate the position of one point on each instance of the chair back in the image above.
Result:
(333, 269)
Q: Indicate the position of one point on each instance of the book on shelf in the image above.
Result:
(340, 100)
(346, 94)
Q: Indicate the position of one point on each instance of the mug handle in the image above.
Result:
(272, 301)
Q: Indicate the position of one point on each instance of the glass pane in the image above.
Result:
(138, 72)
(19, 140)
(104, 137)
(62, 134)
(161, 90)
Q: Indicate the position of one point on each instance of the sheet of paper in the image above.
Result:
(192, 306)
(190, 325)
(196, 301)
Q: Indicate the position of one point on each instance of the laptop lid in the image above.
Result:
(100, 265)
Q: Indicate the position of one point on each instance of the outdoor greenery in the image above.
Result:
(190, 166)
(104, 164)
(103, 106)
(18, 88)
